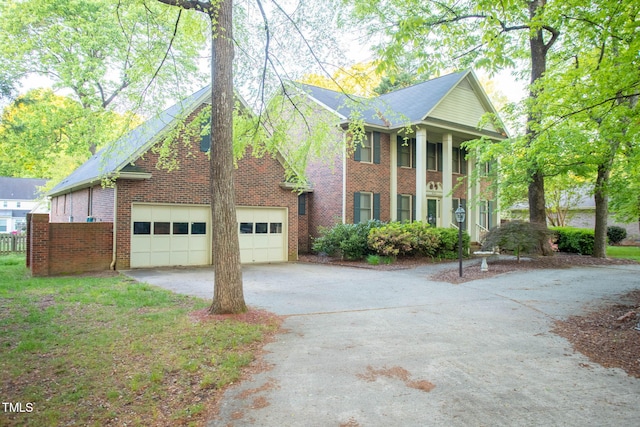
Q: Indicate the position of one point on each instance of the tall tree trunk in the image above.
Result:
(602, 210)
(538, 49)
(228, 294)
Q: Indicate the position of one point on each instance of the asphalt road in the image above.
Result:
(392, 348)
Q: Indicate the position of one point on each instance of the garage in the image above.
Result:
(167, 235)
(262, 234)
(171, 235)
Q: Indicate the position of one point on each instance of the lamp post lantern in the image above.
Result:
(460, 214)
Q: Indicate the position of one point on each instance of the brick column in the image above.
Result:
(39, 245)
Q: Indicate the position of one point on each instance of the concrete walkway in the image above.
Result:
(391, 348)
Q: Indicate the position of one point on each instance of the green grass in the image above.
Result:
(107, 350)
(627, 252)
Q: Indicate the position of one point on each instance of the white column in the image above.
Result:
(421, 174)
(447, 180)
(393, 167)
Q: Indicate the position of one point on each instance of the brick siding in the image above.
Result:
(63, 248)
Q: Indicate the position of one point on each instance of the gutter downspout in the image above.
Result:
(115, 223)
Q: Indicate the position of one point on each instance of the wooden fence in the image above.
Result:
(10, 243)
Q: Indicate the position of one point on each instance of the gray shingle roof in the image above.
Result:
(410, 104)
(20, 188)
(114, 157)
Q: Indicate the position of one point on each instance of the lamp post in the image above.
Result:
(460, 219)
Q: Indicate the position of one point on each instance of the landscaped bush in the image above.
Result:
(575, 240)
(448, 247)
(349, 241)
(425, 239)
(356, 241)
(391, 240)
(518, 236)
(616, 234)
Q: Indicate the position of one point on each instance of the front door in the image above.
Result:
(433, 212)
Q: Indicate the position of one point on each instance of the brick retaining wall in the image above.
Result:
(63, 248)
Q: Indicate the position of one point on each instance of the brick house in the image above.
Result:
(163, 218)
(398, 175)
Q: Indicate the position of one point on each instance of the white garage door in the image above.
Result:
(262, 234)
(164, 235)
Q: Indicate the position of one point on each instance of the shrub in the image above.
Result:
(391, 240)
(347, 240)
(518, 236)
(575, 240)
(448, 246)
(616, 234)
(425, 239)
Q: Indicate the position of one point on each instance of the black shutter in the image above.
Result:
(463, 161)
(356, 208)
(376, 148)
(205, 143)
(439, 156)
(358, 154)
(398, 206)
(413, 143)
(399, 143)
(302, 204)
(376, 205)
(413, 208)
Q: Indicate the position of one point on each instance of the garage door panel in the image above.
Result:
(262, 234)
(172, 239)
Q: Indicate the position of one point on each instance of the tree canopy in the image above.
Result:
(126, 53)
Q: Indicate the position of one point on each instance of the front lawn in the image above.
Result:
(626, 252)
(87, 350)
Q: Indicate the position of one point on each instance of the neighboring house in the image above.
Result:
(419, 176)
(163, 218)
(580, 212)
(18, 196)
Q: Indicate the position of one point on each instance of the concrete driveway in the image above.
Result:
(373, 348)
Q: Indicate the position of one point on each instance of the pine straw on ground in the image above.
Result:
(607, 336)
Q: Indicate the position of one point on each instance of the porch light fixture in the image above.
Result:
(460, 214)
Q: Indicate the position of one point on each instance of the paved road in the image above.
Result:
(371, 348)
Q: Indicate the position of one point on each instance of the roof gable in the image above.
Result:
(122, 152)
(438, 98)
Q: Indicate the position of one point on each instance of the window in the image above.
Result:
(434, 156)
(246, 228)
(366, 206)
(302, 204)
(406, 152)
(180, 228)
(459, 161)
(486, 213)
(161, 228)
(405, 207)
(275, 228)
(141, 227)
(368, 149)
(261, 227)
(198, 228)
(17, 204)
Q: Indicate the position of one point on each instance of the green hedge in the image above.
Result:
(574, 240)
(356, 241)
